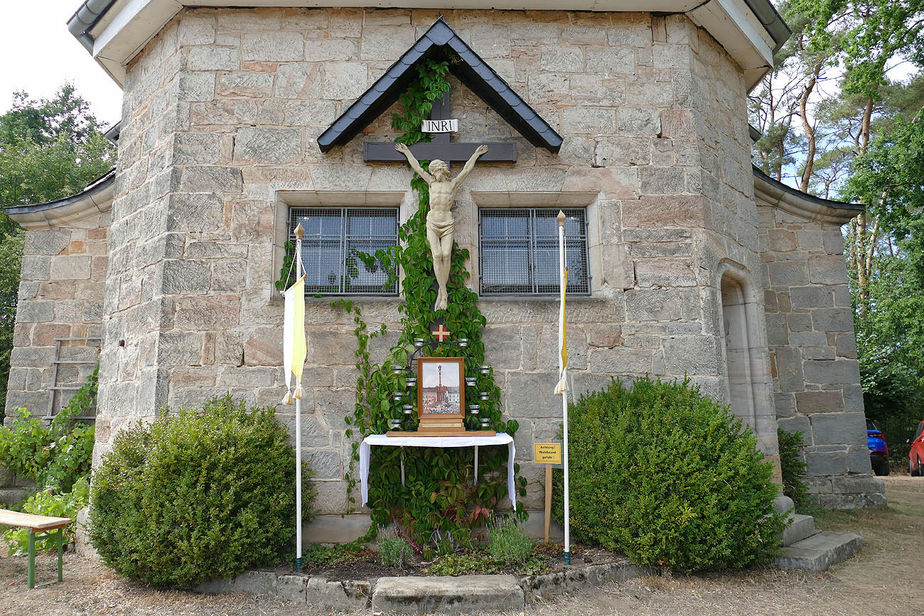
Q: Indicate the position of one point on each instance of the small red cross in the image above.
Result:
(441, 333)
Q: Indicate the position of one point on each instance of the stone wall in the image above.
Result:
(222, 110)
(60, 297)
(814, 354)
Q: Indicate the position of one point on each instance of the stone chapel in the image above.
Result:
(238, 122)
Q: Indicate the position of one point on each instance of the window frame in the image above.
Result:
(584, 288)
(344, 239)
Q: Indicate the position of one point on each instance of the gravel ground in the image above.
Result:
(885, 579)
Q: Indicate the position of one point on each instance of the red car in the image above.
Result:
(916, 455)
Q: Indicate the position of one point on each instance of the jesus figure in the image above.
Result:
(440, 223)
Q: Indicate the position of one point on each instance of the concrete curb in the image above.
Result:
(422, 595)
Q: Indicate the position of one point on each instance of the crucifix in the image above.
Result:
(441, 333)
(440, 222)
(441, 147)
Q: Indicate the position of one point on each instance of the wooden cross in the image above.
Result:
(441, 333)
(440, 147)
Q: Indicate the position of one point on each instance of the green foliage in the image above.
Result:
(53, 455)
(196, 495)
(47, 502)
(509, 544)
(437, 502)
(337, 554)
(668, 477)
(482, 563)
(394, 551)
(793, 468)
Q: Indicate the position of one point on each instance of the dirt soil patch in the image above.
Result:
(884, 579)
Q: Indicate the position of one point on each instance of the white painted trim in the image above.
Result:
(81, 213)
(807, 207)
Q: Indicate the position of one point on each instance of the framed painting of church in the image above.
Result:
(441, 390)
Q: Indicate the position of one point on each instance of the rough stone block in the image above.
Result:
(179, 348)
(531, 394)
(74, 267)
(830, 463)
(196, 148)
(827, 269)
(664, 273)
(196, 86)
(562, 59)
(837, 372)
(620, 361)
(787, 273)
(245, 83)
(207, 312)
(639, 121)
(789, 369)
(812, 297)
(272, 46)
(337, 596)
(268, 145)
(344, 80)
(183, 276)
(222, 180)
(661, 180)
(840, 429)
(213, 58)
(46, 241)
(464, 594)
(35, 311)
(833, 319)
(693, 355)
(674, 211)
(809, 402)
(588, 120)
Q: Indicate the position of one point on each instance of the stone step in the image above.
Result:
(465, 594)
(800, 527)
(820, 551)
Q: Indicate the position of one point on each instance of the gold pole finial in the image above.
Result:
(561, 218)
(299, 231)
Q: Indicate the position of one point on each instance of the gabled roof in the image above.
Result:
(441, 42)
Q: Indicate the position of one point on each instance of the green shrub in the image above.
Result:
(46, 502)
(394, 551)
(509, 544)
(195, 496)
(792, 466)
(668, 477)
(56, 454)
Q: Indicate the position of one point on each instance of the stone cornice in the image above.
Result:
(770, 192)
(749, 30)
(80, 211)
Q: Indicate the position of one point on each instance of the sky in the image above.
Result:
(39, 55)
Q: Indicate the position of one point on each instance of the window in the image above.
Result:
(519, 251)
(335, 240)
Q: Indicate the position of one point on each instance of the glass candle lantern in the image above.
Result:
(408, 409)
(484, 396)
(397, 369)
(463, 342)
(411, 381)
(485, 422)
(486, 370)
(474, 409)
(418, 342)
(395, 424)
(471, 381)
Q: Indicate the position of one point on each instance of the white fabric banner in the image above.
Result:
(365, 450)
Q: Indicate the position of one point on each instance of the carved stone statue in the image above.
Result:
(440, 223)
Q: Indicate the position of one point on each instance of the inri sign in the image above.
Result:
(440, 126)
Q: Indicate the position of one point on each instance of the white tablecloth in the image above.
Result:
(436, 441)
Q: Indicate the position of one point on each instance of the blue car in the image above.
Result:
(878, 450)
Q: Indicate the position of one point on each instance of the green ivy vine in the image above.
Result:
(439, 503)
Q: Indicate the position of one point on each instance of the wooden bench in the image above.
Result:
(38, 524)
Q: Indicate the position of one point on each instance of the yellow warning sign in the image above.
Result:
(547, 453)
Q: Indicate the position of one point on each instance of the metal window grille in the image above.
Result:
(339, 248)
(519, 251)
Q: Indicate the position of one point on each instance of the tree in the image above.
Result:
(49, 149)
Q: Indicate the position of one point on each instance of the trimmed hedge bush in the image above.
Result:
(668, 477)
(198, 495)
(792, 467)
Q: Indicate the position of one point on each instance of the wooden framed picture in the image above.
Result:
(441, 392)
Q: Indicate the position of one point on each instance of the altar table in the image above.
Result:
(365, 450)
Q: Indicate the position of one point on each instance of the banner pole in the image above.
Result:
(299, 270)
(563, 383)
